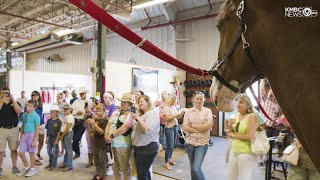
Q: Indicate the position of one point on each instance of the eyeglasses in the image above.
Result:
(237, 127)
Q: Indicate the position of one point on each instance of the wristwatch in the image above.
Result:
(111, 136)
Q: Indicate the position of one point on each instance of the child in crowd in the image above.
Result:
(67, 136)
(52, 139)
(98, 126)
(29, 137)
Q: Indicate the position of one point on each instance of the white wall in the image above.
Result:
(119, 79)
(76, 60)
(35, 80)
(121, 50)
(202, 50)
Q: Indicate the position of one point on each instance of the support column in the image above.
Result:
(101, 60)
(9, 64)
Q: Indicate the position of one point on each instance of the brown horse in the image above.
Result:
(285, 50)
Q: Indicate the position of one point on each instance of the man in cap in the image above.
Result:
(78, 112)
(9, 130)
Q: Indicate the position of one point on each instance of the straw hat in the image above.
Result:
(126, 97)
(67, 106)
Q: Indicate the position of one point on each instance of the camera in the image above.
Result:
(133, 109)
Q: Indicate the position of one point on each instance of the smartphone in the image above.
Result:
(133, 109)
(86, 104)
(7, 94)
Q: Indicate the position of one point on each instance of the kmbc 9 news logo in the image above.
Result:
(300, 12)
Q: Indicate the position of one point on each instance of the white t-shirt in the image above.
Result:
(67, 119)
(23, 102)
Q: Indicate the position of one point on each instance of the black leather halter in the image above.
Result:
(240, 35)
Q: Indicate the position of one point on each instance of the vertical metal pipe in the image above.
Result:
(23, 70)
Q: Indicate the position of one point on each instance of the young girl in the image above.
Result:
(35, 95)
(53, 134)
(99, 152)
(28, 138)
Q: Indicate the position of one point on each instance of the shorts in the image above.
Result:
(42, 129)
(11, 136)
(25, 143)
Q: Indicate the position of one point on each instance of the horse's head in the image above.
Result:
(237, 67)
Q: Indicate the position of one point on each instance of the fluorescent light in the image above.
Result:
(62, 32)
(151, 3)
(14, 44)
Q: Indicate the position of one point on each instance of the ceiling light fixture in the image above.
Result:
(151, 3)
(62, 32)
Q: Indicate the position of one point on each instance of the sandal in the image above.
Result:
(38, 163)
(172, 163)
(168, 167)
(39, 157)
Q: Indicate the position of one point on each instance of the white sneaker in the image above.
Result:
(31, 172)
(23, 172)
(109, 171)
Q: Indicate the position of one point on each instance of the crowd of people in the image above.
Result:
(119, 139)
(124, 140)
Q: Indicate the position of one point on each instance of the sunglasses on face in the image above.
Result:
(198, 92)
(237, 127)
(34, 95)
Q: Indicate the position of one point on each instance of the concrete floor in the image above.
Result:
(214, 166)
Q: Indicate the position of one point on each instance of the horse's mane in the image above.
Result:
(226, 8)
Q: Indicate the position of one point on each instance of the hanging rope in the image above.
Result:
(104, 18)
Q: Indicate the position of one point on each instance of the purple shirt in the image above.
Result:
(110, 109)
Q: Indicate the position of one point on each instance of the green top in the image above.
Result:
(240, 146)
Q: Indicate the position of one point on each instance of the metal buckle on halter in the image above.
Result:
(83, 3)
(240, 8)
(141, 43)
(245, 45)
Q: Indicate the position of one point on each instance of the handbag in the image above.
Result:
(260, 144)
(291, 153)
(119, 124)
(228, 150)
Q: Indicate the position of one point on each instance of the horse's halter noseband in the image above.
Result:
(245, 45)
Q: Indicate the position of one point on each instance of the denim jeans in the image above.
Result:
(67, 144)
(162, 135)
(78, 131)
(196, 156)
(145, 156)
(171, 138)
(52, 150)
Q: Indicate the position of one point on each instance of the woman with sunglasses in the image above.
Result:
(197, 123)
(35, 95)
(241, 159)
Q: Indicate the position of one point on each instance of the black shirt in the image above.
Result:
(8, 116)
(53, 127)
(99, 140)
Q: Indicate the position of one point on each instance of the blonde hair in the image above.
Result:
(245, 98)
(149, 106)
(170, 96)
